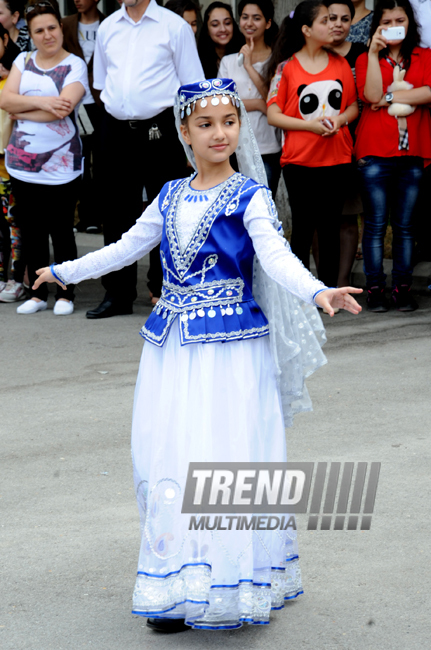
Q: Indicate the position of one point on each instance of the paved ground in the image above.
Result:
(69, 525)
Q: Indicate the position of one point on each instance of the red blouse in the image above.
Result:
(377, 131)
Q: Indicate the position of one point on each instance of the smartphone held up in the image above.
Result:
(394, 33)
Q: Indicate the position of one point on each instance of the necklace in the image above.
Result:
(196, 197)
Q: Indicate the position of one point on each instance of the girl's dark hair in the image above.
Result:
(267, 8)
(206, 46)
(11, 49)
(412, 38)
(290, 38)
(42, 8)
(348, 3)
(180, 6)
(16, 5)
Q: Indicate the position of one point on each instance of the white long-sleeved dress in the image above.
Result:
(213, 401)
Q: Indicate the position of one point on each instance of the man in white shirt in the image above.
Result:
(143, 53)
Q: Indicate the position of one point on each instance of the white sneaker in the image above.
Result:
(63, 307)
(2, 285)
(12, 292)
(31, 307)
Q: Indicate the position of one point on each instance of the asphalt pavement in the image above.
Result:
(69, 535)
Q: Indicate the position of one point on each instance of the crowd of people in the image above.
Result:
(338, 108)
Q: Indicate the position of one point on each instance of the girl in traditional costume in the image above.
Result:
(229, 344)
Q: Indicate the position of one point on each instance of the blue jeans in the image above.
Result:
(389, 185)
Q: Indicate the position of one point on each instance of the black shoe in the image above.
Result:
(401, 298)
(376, 300)
(167, 625)
(108, 308)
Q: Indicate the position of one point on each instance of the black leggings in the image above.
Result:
(44, 210)
(317, 196)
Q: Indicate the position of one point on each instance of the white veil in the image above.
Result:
(296, 329)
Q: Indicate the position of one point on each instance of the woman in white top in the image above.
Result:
(44, 155)
(257, 25)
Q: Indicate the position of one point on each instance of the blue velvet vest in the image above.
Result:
(209, 285)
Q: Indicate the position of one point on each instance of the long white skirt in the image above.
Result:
(201, 403)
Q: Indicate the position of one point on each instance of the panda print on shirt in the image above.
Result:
(320, 99)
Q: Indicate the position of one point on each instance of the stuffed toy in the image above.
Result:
(400, 110)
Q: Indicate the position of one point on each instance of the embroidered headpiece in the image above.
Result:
(189, 95)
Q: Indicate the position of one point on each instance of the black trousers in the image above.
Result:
(130, 155)
(91, 186)
(45, 210)
(317, 196)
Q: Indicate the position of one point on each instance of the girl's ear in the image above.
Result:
(6, 40)
(185, 134)
(268, 24)
(305, 30)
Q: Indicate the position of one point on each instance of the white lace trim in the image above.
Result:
(189, 594)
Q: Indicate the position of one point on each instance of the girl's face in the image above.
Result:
(252, 22)
(321, 30)
(47, 34)
(191, 18)
(220, 26)
(394, 18)
(7, 19)
(340, 21)
(212, 131)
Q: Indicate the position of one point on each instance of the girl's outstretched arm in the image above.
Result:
(134, 244)
(283, 266)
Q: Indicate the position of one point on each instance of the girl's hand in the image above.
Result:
(45, 275)
(247, 51)
(58, 106)
(378, 42)
(317, 126)
(339, 298)
(338, 121)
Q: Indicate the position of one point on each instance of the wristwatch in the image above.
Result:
(389, 97)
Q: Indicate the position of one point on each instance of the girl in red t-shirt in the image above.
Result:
(314, 103)
(391, 150)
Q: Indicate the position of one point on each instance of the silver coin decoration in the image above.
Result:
(229, 311)
(223, 312)
(224, 100)
(211, 313)
(165, 314)
(239, 310)
(215, 101)
(204, 103)
(188, 110)
(184, 317)
(192, 315)
(201, 313)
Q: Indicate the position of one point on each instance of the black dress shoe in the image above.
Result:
(108, 308)
(167, 625)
